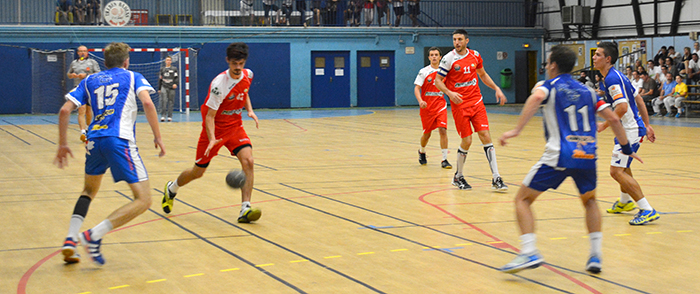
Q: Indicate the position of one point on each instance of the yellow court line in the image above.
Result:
(686, 231)
(365, 253)
(155, 281)
(228, 270)
(118, 287)
(85, 293)
(558, 238)
(300, 260)
(651, 233)
(397, 250)
(264, 265)
(495, 242)
(464, 244)
(334, 256)
(193, 275)
(585, 237)
(620, 235)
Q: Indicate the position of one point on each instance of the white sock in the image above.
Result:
(527, 244)
(461, 158)
(596, 243)
(491, 156)
(245, 204)
(76, 221)
(173, 187)
(422, 149)
(83, 132)
(101, 229)
(644, 204)
(444, 154)
(624, 197)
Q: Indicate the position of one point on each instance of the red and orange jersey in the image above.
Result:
(461, 76)
(227, 96)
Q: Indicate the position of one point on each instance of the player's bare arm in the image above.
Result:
(249, 110)
(152, 116)
(416, 92)
(486, 79)
(645, 117)
(455, 98)
(63, 151)
(620, 111)
(531, 106)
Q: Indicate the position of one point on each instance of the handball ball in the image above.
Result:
(235, 178)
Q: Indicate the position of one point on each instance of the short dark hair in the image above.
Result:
(650, 61)
(435, 49)
(610, 50)
(644, 73)
(663, 47)
(237, 51)
(694, 54)
(671, 47)
(564, 57)
(461, 32)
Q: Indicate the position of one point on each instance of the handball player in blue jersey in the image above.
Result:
(620, 94)
(111, 143)
(568, 109)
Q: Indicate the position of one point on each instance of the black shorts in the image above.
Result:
(398, 10)
(414, 9)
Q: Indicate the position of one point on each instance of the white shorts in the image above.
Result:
(622, 160)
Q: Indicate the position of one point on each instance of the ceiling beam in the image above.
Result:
(676, 16)
(596, 18)
(638, 18)
(565, 27)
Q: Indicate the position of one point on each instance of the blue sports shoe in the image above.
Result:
(70, 255)
(594, 264)
(92, 247)
(644, 217)
(522, 262)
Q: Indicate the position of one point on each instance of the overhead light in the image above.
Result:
(526, 45)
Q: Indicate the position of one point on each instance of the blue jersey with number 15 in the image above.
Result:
(112, 96)
(569, 111)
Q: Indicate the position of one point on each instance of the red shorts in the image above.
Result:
(467, 116)
(233, 138)
(431, 121)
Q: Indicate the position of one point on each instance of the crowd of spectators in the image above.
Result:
(80, 12)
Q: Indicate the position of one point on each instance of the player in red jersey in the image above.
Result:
(457, 77)
(433, 108)
(222, 126)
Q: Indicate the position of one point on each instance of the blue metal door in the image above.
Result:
(375, 78)
(330, 80)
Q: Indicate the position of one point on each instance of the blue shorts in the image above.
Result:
(119, 155)
(542, 177)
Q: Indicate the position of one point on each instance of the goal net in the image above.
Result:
(50, 83)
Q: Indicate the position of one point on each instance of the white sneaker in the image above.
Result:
(170, 119)
(522, 262)
(162, 118)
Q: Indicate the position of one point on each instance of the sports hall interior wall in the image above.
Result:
(279, 57)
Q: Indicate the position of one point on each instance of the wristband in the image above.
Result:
(626, 149)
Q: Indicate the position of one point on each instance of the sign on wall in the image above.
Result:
(117, 13)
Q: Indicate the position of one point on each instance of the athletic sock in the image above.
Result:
(173, 187)
(527, 244)
(79, 213)
(644, 204)
(101, 229)
(624, 197)
(461, 158)
(422, 149)
(444, 154)
(596, 243)
(491, 156)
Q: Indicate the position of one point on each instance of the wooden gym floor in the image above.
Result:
(346, 209)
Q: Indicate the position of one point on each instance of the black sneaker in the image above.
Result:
(498, 185)
(461, 183)
(446, 165)
(421, 158)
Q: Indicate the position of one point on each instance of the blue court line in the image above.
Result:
(33, 133)
(443, 249)
(218, 246)
(13, 135)
(391, 234)
(275, 244)
(425, 227)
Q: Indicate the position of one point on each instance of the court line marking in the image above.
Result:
(388, 233)
(118, 287)
(156, 281)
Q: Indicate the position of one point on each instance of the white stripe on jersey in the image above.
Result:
(629, 119)
(129, 113)
(553, 146)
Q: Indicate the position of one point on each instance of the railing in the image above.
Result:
(433, 13)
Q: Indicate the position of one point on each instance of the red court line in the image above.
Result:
(503, 244)
(296, 125)
(22, 286)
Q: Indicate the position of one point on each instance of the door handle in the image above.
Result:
(376, 78)
(331, 79)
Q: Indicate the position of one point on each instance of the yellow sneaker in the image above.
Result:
(619, 207)
(644, 216)
(249, 214)
(168, 198)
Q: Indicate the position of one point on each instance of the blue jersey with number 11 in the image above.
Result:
(569, 111)
(112, 96)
